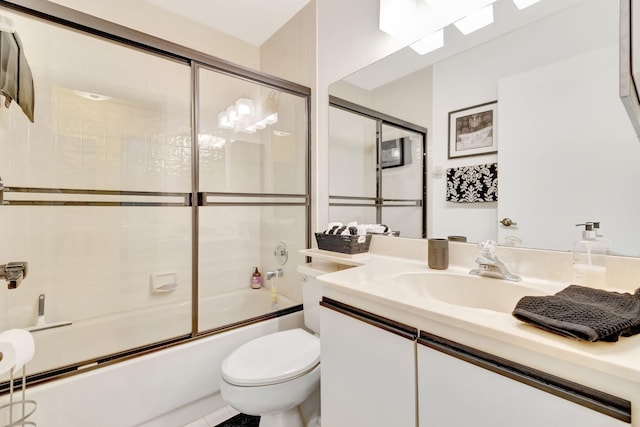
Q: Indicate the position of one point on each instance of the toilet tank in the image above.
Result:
(312, 290)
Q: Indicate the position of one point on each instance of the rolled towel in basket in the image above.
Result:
(377, 228)
(332, 227)
(584, 313)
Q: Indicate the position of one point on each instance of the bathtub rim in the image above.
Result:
(133, 353)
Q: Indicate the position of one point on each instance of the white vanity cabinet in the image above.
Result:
(460, 386)
(368, 369)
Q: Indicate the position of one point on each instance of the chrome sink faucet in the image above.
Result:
(490, 265)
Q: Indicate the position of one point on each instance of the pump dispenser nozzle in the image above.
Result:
(588, 258)
(600, 237)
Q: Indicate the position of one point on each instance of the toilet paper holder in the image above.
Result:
(23, 408)
(16, 350)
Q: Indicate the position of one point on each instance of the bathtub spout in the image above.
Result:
(276, 273)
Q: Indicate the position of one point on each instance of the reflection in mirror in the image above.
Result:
(376, 170)
(401, 161)
(566, 148)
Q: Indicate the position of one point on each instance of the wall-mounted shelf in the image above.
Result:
(337, 257)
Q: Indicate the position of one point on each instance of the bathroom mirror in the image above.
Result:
(567, 151)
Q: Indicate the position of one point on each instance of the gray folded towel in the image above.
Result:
(9, 55)
(584, 313)
(16, 80)
(26, 94)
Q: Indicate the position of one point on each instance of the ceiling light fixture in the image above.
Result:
(244, 107)
(395, 16)
(223, 120)
(271, 119)
(424, 20)
(241, 116)
(521, 4)
(430, 43)
(232, 113)
(476, 20)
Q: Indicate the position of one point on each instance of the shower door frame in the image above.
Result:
(382, 119)
(55, 14)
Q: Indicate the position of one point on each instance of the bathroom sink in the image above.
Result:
(467, 290)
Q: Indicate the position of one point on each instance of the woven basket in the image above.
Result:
(344, 244)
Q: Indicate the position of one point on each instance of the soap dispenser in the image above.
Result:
(256, 279)
(589, 268)
(606, 242)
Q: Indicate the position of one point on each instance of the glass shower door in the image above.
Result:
(252, 191)
(403, 180)
(353, 177)
(97, 198)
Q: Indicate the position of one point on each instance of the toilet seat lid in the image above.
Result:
(272, 358)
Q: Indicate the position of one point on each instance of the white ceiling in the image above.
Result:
(252, 21)
(255, 21)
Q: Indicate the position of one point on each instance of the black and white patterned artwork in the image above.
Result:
(473, 184)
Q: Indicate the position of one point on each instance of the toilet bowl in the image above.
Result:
(273, 375)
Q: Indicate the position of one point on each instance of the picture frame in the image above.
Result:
(472, 130)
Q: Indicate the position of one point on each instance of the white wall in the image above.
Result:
(290, 52)
(408, 98)
(578, 154)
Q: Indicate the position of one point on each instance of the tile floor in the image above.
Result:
(215, 419)
(241, 420)
(229, 417)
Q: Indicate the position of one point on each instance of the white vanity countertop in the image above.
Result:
(371, 287)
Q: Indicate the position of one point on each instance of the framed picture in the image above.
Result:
(472, 130)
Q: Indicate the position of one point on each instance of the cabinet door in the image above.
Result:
(456, 393)
(367, 372)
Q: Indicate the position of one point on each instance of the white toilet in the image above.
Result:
(271, 375)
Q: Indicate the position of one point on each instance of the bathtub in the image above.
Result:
(87, 340)
(168, 387)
